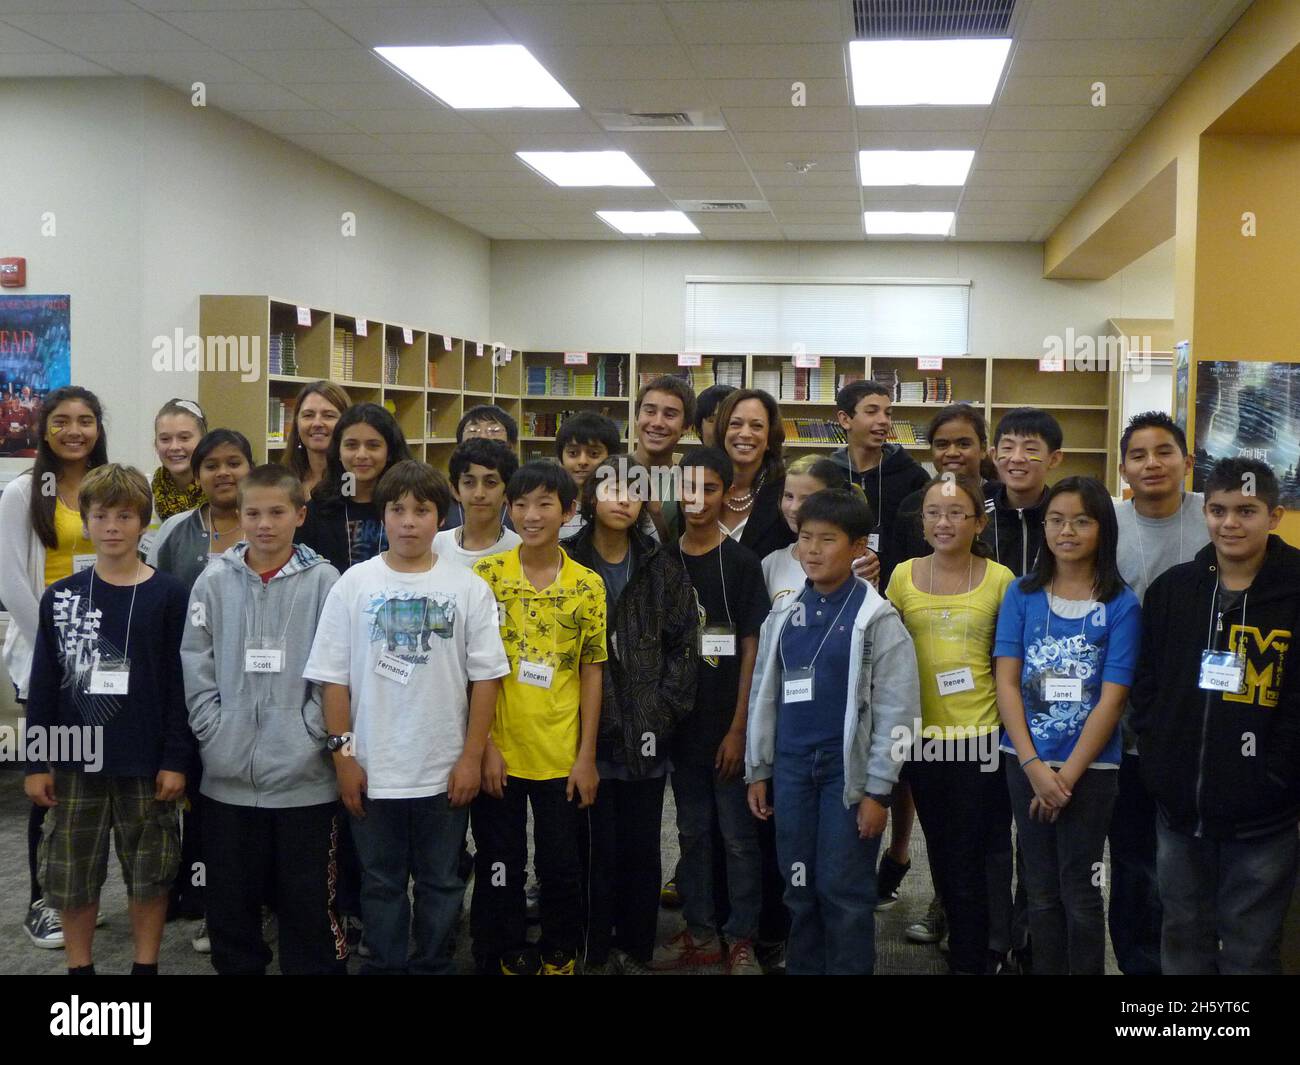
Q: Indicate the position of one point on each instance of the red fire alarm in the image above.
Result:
(13, 273)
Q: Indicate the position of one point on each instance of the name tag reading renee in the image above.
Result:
(952, 681)
(538, 674)
(392, 667)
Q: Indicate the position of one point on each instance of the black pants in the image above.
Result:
(34, 820)
(958, 805)
(619, 848)
(188, 896)
(498, 922)
(1135, 912)
(244, 846)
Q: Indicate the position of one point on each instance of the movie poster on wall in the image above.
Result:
(1182, 382)
(35, 359)
(1249, 410)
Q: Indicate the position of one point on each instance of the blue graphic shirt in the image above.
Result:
(1098, 645)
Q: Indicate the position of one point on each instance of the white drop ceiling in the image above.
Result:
(304, 70)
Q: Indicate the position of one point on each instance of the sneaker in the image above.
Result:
(669, 897)
(201, 943)
(43, 926)
(888, 878)
(621, 963)
(99, 919)
(525, 962)
(682, 952)
(741, 960)
(772, 957)
(931, 928)
(558, 963)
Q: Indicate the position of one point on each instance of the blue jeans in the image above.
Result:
(830, 873)
(399, 840)
(1134, 913)
(701, 797)
(1224, 902)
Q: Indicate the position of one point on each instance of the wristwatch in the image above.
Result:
(882, 800)
(334, 744)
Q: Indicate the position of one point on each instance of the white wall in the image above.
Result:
(157, 202)
(629, 295)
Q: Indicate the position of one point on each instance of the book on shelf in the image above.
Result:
(343, 355)
(813, 430)
(767, 380)
(547, 423)
(697, 378)
(430, 418)
(604, 378)
(804, 384)
(392, 362)
(281, 354)
(929, 390)
(904, 432)
(729, 371)
(277, 420)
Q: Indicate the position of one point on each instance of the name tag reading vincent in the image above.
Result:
(952, 681)
(110, 677)
(717, 641)
(392, 667)
(536, 674)
(1222, 671)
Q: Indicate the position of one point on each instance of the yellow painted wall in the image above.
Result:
(1246, 302)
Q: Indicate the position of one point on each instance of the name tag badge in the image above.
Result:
(613, 644)
(392, 667)
(873, 543)
(263, 656)
(797, 686)
(1222, 671)
(1062, 689)
(718, 641)
(110, 677)
(537, 674)
(952, 681)
(82, 562)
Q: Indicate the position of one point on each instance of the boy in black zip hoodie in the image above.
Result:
(1026, 448)
(1217, 717)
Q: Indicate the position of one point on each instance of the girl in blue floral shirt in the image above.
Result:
(1067, 643)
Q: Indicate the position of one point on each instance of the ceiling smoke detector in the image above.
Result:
(800, 166)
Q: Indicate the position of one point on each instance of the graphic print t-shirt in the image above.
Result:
(442, 625)
(343, 531)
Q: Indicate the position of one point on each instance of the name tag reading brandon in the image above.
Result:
(392, 667)
(952, 681)
(797, 686)
(718, 641)
(1222, 671)
(538, 674)
(110, 677)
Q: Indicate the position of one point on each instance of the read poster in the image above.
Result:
(35, 359)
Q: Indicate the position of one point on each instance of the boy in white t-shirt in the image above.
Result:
(480, 470)
(400, 641)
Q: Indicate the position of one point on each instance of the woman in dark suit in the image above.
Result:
(748, 428)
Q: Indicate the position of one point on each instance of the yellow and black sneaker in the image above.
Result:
(669, 897)
(558, 963)
(526, 962)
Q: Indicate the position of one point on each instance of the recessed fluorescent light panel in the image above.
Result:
(481, 77)
(647, 223)
(914, 168)
(915, 223)
(905, 73)
(587, 169)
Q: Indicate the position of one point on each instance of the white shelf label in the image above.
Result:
(575, 358)
(929, 362)
(1051, 364)
(689, 358)
(407, 337)
(478, 349)
(804, 361)
(509, 355)
(362, 327)
(304, 316)
(446, 343)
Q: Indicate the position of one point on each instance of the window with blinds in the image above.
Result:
(872, 316)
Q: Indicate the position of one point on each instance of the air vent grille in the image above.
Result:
(643, 121)
(884, 20)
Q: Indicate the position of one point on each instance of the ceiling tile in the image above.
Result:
(985, 179)
(594, 23)
(544, 122)
(990, 159)
(336, 142)
(921, 119)
(902, 139)
(300, 121)
(814, 179)
(699, 142)
(845, 231)
(47, 65)
(421, 24)
(1098, 19)
(179, 68)
(779, 92)
(435, 119)
(14, 40)
(1050, 140)
(553, 142)
(676, 163)
(311, 67)
(245, 97)
(825, 161)
(1121, 90)
(645, 94)
(394, 95)
(1115, 116)
(760, 21)
(1116, 56)
(1018, 194)
(797, 142)
(796, 119)
(260, 30)
(95, 32)
(775, 194)
(911, 198)
(616, 62)
(796, 61)
(438, 143)
(40, 7)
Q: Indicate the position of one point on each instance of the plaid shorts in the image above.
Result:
(73, 853)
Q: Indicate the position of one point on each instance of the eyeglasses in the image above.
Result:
(956, 517)
(1055, 523)
(485, 429)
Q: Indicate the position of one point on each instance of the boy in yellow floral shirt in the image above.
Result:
(543, 749)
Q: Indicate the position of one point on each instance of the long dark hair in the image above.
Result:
(47, 462)
(773, 463)
(1097, 505)
(295, 452)
(330, 489)
(974, 491)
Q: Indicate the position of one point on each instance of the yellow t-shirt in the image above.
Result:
(538, 729)
(58, 562)
(951, 632)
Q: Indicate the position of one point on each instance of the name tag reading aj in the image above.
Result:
(797, 686)
(82, 562)
(718, 641)
(1062, 689)
(1222, 671)
(952, 681)
(392, 667)
(110, 678)
(538, 674)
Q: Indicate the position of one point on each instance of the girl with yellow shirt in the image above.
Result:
(949, 602)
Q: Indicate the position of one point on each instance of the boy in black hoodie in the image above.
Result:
(1026, 448)
(1217, 717)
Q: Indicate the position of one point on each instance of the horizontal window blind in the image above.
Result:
(870, 317)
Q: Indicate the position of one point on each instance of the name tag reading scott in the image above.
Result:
(1062, 689)
(538, 674)
(797, 686)
(110, 678)
(952, 681)
(718, 641)
(1222, 671)
(392, 667)
(262, 660)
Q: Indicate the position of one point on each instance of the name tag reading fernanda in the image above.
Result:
(392, 667)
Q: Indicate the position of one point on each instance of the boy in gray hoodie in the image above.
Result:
(271, 788)
(834, 684)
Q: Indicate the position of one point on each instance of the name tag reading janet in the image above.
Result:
(537, 674)
(797, 686)
(82, 562)
(110, 677)
(952, 681)
(1222, 671)
(392, 667)
(717, 641)
(1062, 689)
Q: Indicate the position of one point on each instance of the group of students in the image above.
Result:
(348, 664)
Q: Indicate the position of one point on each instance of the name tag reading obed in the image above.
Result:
(392, 667)
(1221, 671)
(537, 674)
(952, 681)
